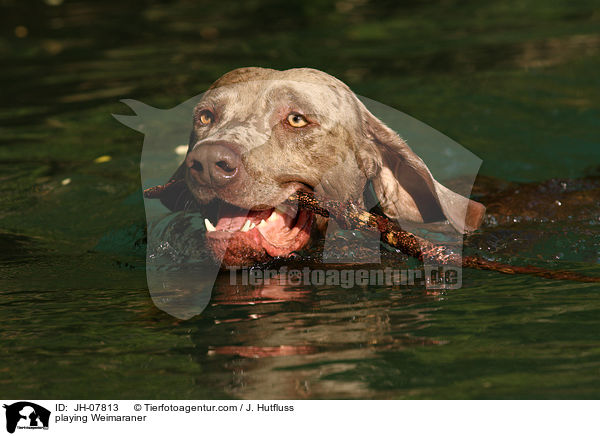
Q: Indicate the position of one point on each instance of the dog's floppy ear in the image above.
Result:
(405, 187)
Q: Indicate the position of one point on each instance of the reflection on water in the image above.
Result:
(517, 85)
(286, 342)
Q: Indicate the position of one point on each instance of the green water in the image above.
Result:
(515, 82)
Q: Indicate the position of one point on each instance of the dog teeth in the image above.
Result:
(252, 226)
(262, 224)
(246, 226)
(209, 226)
(273, 216)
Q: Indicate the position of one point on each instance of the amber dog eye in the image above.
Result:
(296, 120)
(206, 117)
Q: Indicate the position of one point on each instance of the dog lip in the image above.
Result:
(299, 222)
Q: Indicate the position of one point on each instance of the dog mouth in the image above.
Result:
(242, 237)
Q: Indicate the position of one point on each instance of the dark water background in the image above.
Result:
(516, 82)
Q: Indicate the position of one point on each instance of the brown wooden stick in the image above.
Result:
(349, 216)
(160, 190)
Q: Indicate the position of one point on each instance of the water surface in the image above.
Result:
(514, 82)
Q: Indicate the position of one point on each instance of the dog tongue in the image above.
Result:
(232, 218)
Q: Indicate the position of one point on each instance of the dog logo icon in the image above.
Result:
(26, 415)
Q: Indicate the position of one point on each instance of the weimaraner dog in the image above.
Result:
(260, 135)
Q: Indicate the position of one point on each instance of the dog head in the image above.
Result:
(259, 135)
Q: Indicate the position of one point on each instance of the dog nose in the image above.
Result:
(213, 164)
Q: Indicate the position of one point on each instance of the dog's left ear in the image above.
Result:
(405, 187)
